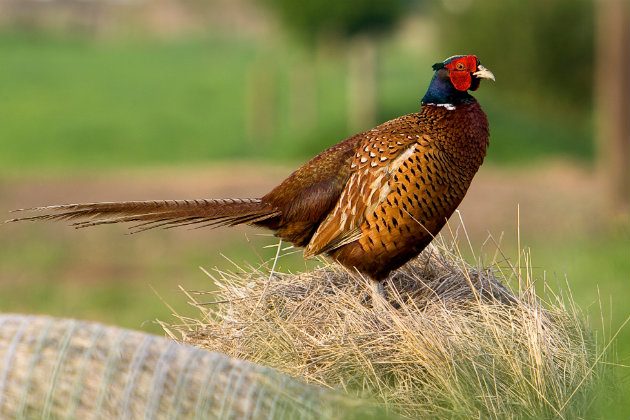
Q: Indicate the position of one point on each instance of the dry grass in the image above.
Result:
(450, 340)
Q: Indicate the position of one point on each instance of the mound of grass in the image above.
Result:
(449, 340)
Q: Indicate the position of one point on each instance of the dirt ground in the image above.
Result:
(557, 198)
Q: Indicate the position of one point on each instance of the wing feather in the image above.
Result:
(367, 187)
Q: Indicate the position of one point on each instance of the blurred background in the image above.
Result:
(104, 100)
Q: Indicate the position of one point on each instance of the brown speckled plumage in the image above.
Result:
(410, 175)
(371, 202)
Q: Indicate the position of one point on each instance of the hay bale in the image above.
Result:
(451, 340)
(62, 368)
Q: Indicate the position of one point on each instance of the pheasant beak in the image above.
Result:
(483, 73)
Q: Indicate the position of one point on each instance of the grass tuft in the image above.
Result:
(449, 340)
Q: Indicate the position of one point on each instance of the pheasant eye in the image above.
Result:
(460, 66)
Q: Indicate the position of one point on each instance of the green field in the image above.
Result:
(70, 104)
(71, 107)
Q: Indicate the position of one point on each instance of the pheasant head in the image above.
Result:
(453, 78)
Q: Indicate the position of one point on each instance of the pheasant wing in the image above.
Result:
(369, 184)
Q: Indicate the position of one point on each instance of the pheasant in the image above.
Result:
(371, 202)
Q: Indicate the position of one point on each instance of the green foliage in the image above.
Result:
(68, 104)
(540, 48)
(311, 18)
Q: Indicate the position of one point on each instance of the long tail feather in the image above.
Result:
(154, 214)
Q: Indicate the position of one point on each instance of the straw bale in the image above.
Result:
(63, 368)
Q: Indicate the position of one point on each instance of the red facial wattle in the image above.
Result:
(460, 71)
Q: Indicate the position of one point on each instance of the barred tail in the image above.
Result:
(152, 214)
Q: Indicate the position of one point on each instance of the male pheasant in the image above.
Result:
(371, 202)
